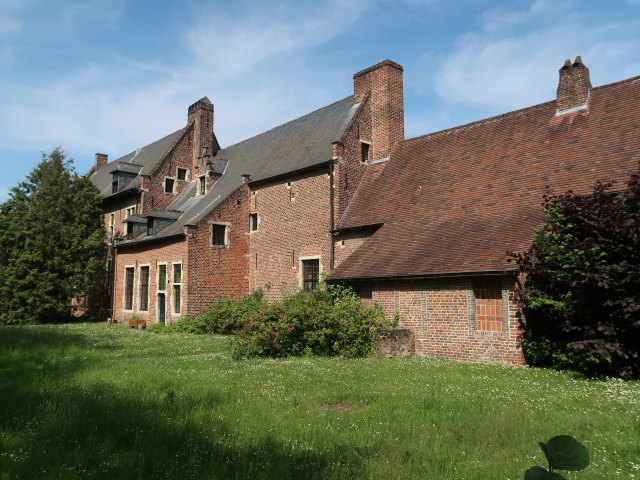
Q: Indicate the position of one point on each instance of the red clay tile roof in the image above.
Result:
(456, 201)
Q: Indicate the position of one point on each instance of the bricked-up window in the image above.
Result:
(219, 235)
(253, 222)
(162, 277)
(144, 289)
(177, 287)
(182, 174)
(364, 152)
(488, 297)
(168, 185)
(202, 185)
(310, 274)
(128, 288)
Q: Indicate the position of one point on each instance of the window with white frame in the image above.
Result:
(162, 277)
(181, 174)
(129, 273)
(112, 222)
(129, 211)
(143, 299)
(177, 287)
(310, 273)
(219, 235)
(169, 185)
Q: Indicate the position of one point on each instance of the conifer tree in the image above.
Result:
(51, 243)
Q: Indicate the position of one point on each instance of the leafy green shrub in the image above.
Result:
(562, 356)
(328, 321)
(226, 316)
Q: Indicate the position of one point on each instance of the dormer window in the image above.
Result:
(150, 226)
(114, 186)
(181, 174)
(168, 185)
(129, 230)
(202, 185)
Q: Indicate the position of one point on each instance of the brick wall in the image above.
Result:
(218, 273)
(441, 312)
(169, 252)
(293, 223)
(153, 186)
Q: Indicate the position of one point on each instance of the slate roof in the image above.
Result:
(456, 201)
(145, 157)
(301, 143)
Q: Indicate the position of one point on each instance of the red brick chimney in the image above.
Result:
(101, 160)
(574, 85)
(200, 114)
(382, 84)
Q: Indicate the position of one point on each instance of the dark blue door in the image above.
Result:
(161, 308)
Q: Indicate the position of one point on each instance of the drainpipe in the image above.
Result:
(331, 213)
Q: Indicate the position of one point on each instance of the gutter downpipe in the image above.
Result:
(331, 220)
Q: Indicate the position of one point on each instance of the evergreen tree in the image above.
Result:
(51, 243)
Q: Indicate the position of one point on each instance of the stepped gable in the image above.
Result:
(456, 201)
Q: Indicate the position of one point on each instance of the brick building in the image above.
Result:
(421, 226)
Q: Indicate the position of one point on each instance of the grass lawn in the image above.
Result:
(104, 401)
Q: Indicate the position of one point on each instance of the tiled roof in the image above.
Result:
(456, 201)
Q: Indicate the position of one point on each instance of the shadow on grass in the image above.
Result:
(51, 426)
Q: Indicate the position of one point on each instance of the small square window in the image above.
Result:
(219, 235)
(253, 222)
(168, 185)
(181, 174)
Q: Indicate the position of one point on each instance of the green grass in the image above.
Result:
(103, 401)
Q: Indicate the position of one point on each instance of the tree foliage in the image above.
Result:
(581, 297)
(51, 243)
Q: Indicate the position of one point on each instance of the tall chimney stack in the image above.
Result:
(101, 160)
(382, 84)
(200, 114)
(574, 85)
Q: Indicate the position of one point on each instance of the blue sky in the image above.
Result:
(112, 75)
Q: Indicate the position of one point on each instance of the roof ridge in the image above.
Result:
(501, 116)
(287, 122)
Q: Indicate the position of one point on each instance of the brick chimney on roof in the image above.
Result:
(101, 160)
(381, 84)
(574, 85)
(200, 114)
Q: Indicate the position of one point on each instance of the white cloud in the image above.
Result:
(251, 61)
(504, 68)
